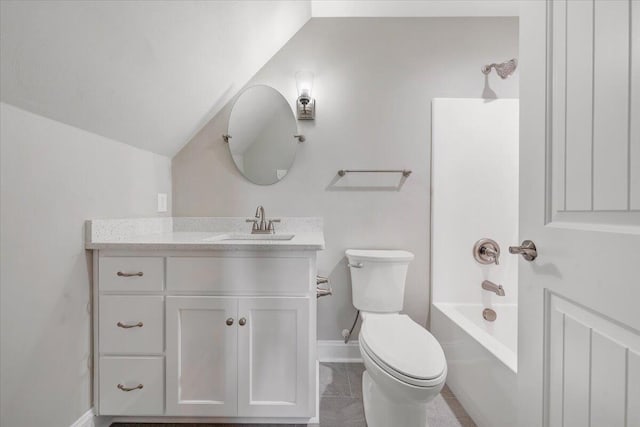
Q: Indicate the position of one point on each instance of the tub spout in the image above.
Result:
(490, 286)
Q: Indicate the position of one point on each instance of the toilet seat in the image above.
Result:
(403, 349)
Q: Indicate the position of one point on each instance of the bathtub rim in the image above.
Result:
(504, 354)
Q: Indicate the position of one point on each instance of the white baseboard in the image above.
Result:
(338, 351)
(86, 420)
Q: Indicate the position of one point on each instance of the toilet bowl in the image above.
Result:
(405, 366)
(405, 369)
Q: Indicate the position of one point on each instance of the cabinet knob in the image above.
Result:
(242, 321)
(229, 321)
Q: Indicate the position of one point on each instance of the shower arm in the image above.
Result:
(503, 69)
(486, 69)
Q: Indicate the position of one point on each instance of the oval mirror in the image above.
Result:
(262, 131)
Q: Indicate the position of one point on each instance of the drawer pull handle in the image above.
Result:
(123, 388)
(229, 321)
(121, 274)
(125, 326)
(242, 321)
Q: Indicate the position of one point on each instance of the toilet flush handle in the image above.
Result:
(356, 265)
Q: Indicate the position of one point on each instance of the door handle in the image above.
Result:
(528, 250)
(242, 321)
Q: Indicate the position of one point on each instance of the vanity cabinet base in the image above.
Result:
(200, 353)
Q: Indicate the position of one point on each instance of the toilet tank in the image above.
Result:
(378, 279)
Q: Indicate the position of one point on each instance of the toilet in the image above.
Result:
(405, 366)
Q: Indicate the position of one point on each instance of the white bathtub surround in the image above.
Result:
(498, 337)
(199, 234)
(481, 361)
(475, 196)
(187, 324)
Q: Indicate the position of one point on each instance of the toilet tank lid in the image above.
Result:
(380, 255)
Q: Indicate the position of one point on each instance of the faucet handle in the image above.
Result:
(491, 254)
(486, 251)
(271, 226)
(255, 223)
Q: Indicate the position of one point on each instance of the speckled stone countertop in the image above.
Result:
(215, 233)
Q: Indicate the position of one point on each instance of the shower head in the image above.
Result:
(504, 69)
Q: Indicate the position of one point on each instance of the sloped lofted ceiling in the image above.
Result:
(146, 73)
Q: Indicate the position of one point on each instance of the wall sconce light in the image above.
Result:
(305, 105)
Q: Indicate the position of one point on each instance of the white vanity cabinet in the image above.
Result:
(219, 335)
(245, 356)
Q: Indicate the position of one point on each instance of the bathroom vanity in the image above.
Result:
(199, 318)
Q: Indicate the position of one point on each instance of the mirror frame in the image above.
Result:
(228, 136)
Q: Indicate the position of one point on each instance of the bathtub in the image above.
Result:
(481, 358)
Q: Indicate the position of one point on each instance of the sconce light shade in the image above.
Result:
(305, 105)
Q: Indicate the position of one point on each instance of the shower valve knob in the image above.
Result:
(486, 251)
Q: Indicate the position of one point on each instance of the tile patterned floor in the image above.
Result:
(341, 400)
(341, 403)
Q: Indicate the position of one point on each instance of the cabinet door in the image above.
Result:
(201, 356)
(275, 373)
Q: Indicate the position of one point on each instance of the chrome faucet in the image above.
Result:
(260, 217)
(260, 224)
(490, 286)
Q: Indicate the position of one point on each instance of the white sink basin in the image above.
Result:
(251, 237)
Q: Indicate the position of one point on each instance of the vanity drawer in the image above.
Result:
(239, 275)
(131, 273)
(142, 376)
(131, 324)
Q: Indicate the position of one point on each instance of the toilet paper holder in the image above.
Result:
(323, 291)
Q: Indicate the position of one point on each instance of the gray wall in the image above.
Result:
(375, 79)
(53, 178)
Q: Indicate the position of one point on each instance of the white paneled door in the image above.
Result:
(579, 300)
